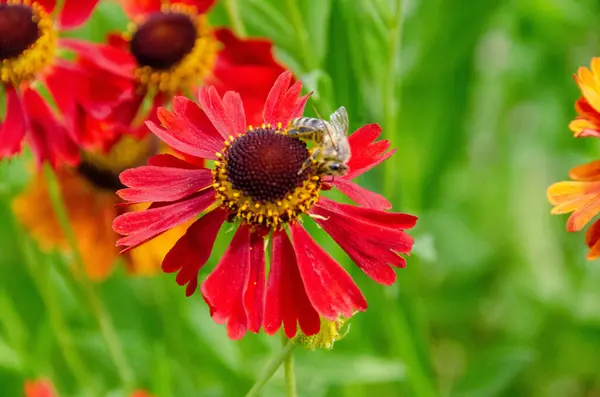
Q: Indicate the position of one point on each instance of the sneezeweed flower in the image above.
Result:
(171, 49)
(88, 192)
(29, 54)
(581, 196)
(254, 184)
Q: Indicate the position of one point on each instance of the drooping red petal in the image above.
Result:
(12, 130)
(227, 117)
(150, 183)
(75, 12)
(50, 140)
(396, 220)
(330, 289)
(142, 226)
(286, 300)
(366, 153)
(372, 245)
(283, 103)
(184, 136)
(192, 250)
(223, 289)
(111, 59)
(361, 195)
(254, 291)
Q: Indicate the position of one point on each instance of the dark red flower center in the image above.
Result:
(18, 30)
(264, 164)
(163, 39)
(101, 178)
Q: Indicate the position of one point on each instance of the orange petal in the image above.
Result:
(583, 215)
(590, 87)
(584, 128)
(586, 172)
(561, 192)
(90, 212)
(592, 239)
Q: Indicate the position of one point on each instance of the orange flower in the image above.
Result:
(88, 192)
(587, 122)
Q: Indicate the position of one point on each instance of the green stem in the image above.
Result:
(88, 288)
(290, 376)
(391, 96)
(271, 368)
(43, 282)
(233, 11)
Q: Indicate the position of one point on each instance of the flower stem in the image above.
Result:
(301, 34)
(43, 282)
(88, 288)
(391, 95)
(233, 11)
(288, 368)
(271, 368)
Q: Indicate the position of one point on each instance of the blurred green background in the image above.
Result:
(497, 300)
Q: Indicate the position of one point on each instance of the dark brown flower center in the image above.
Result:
(163, 39)
(18, 30)
(264, 164)
(101, 178)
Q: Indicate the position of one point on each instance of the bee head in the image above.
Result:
(335, 168)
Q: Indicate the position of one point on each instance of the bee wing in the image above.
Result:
(339, 119)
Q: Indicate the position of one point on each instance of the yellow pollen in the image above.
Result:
(194, 66)
(38, 56)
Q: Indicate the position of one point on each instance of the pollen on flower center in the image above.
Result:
(27, 41)
(174, 48)
(257, 177)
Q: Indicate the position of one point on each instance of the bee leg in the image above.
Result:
(308, 162)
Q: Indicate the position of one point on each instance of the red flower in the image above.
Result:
(172, 50)
(255, 184)
(39, 388)
(30, 37)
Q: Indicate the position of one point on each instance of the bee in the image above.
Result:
(332, 150)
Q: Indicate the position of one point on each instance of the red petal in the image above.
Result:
(47, 4)
(223, 289)
(254, 292)
(39, 388)
(286, 300)
(183, 136)
(50, 140)
(328, 286)
(366, 153)
(226, 117)
(12, 130)
(283, 103)
(142, 226)
(192, 250)
(360, 195)
(168, 160)
(109, 58)
(189, 112)
(396, 220)
(136, 8)
(149, 183)
(371, 246)
(75, 12)
(202, 6)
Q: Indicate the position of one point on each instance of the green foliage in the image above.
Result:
(498, 300)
